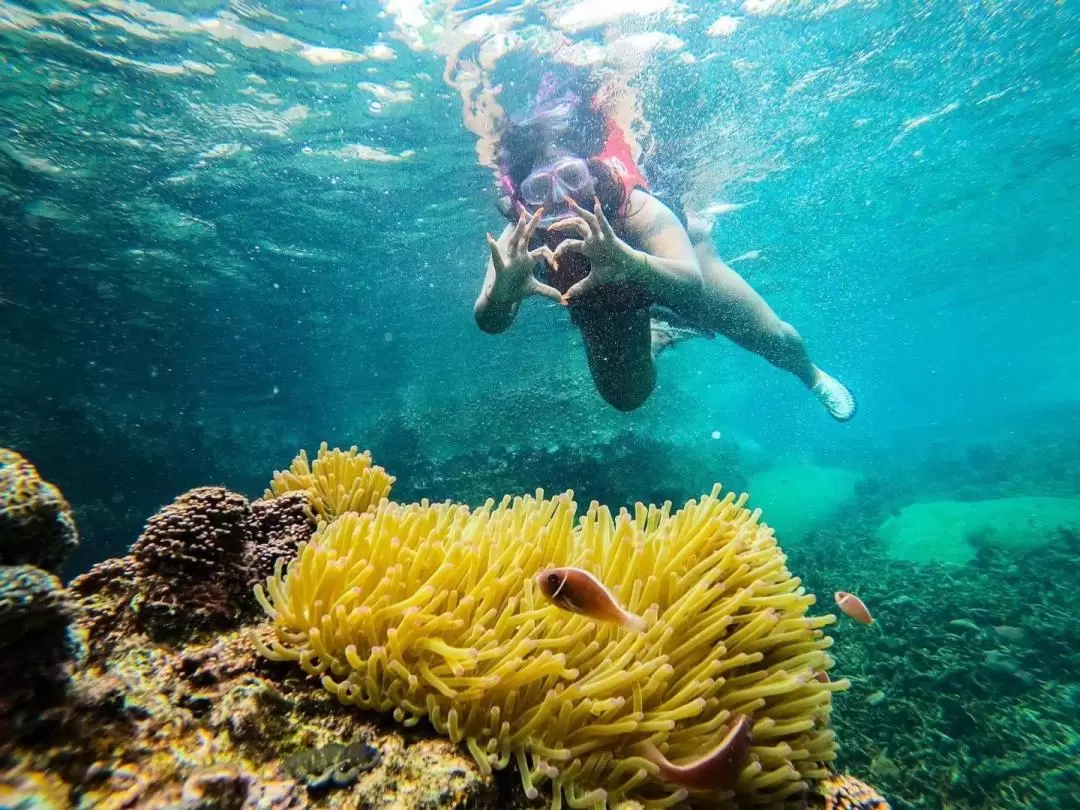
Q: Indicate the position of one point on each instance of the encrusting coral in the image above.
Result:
(337, 481)
(36, 524)
(188, 561)
(277, 528)
(430, 612)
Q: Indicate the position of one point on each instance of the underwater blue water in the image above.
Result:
(231, 230)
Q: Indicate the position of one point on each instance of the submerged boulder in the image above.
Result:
(36, 524)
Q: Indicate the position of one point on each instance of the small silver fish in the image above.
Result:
(580, 592)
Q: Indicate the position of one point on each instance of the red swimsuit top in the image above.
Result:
(617, 155)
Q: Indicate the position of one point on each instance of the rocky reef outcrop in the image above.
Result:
(37, 531)
(37, 526)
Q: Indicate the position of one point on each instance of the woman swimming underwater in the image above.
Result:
(586, 231)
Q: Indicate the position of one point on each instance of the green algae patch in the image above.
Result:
(797, 498)
(954, 531)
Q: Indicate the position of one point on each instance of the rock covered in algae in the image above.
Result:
(35, 611)
(36, 523)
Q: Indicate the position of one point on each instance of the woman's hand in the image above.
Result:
(514, 263)
(609, 256)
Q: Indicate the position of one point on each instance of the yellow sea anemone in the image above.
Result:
(431, 612)
(337, 481)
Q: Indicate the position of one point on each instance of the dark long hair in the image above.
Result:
(571, 124)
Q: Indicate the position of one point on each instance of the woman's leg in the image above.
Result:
(730, 306)
(618, 347)
(734, 309)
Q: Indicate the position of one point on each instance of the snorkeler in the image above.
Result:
(582, 217)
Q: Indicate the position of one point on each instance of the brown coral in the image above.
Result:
(278, 526)
(36, 524)
(193, 566)
(189, 562)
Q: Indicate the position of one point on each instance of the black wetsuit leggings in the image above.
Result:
(618, 346)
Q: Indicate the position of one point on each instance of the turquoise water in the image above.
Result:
(231, 230)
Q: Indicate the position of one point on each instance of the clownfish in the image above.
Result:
(716, 770)
(580, 592)
(853, 607)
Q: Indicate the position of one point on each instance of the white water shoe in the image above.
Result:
(666, 335)
(835, 396)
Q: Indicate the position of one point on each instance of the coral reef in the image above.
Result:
(276, 529)
(429, 612)
(965, 697)
(36, 524)
(206, 720)
(337, 481)
(965, 694)
(188, 562)
(35, 611)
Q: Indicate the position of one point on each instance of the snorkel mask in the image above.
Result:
(552, 184)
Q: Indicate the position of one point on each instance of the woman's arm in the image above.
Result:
(667, 264)
(494, 315)
(510, 276)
